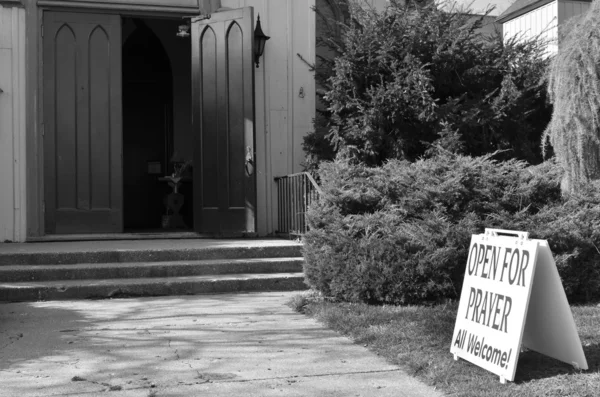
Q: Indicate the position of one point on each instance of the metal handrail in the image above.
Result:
(295, 192)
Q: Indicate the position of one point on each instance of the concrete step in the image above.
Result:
(144, 251)
(107, 269)
(120, 288)
(28, 273)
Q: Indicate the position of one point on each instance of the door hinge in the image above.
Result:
(43, 207)
(43, 130)
(42, 30)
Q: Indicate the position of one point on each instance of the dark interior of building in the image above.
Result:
(148, 128)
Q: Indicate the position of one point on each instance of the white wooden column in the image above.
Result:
(12, 122)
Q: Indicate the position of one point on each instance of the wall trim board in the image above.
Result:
(268, 183)
(290, 87)
(521, 11)
(19, 115)
(11, 3)
(191, 7)
(117, 7)
(33, 139)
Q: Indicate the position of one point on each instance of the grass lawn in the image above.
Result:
(418, 338)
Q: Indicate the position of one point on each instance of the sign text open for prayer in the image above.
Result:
(512, 294)
(493, 304)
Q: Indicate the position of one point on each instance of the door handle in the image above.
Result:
(249, 163)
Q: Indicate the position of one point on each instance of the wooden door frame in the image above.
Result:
(34, 140)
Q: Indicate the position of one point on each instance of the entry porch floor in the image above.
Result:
(127, 235)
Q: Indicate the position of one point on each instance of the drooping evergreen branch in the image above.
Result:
(574, 89)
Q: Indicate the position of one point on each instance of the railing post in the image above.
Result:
(284, 205)
(279, 204)
(295, 201)
(295, 195)
(304, 205)
(287, 207)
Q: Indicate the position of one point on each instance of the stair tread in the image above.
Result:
(150, 280)
(120, 265)
(143, 245)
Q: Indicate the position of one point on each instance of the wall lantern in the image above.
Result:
(259, 41)
(184, 30)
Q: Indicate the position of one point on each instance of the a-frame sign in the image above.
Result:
(512, 296)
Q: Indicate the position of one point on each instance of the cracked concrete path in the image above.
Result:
(206, 345)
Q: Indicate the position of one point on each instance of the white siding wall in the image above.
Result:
(542, 21)
(283, 114)
(12, 124)
(379, 5)
(568, 9)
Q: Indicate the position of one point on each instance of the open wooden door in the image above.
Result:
(223, 123)
(82, 123)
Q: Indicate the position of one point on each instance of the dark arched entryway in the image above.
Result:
(147, 127)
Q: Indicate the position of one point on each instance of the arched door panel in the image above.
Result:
(223, 123)
(82, 123)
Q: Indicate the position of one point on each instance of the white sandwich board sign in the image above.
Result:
(512, 296)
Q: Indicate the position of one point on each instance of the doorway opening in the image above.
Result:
(156, 91)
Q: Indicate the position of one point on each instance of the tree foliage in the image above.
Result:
(574, 89)
(412, 76)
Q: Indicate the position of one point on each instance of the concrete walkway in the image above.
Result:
(209, 345)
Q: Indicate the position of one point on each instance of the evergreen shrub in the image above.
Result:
(401, 79)
(400, 233)
(572, 228)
